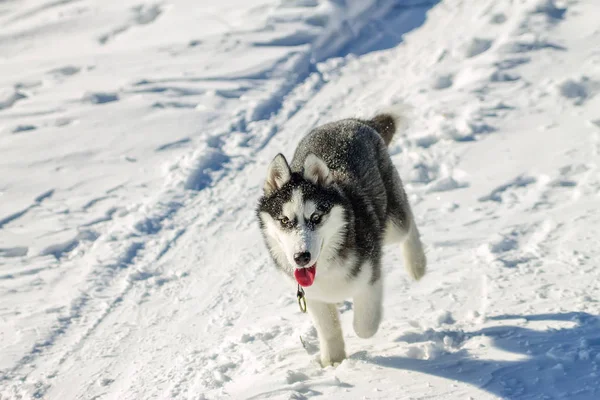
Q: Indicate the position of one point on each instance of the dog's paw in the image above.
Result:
(333, 354)
(329, 361)
(416, 264)
(365, 331)
(366, 321)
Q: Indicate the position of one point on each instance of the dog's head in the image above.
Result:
(302, 216)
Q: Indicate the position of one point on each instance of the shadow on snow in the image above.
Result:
(558, 363)
(388, 32)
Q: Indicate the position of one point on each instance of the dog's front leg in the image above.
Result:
(331, 339)
(367, 309)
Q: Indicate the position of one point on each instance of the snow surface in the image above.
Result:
(134, 138)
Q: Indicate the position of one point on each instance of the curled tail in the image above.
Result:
(386, 124)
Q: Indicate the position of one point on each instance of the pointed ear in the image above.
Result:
(316, 171)
(279, 174)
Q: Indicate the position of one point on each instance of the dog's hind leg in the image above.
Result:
(367, 309)
(327, 322)
(415, 261)
(401, 226)
(407, 233)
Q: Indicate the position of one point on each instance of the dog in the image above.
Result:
(326, 216)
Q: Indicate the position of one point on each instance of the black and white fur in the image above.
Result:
(338, 202)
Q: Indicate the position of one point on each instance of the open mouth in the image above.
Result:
(305, 276)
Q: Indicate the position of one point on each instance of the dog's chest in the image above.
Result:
(335, 285)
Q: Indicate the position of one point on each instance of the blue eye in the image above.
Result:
(315, 218)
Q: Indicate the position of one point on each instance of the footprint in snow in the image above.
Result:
(58, 250)
(200, 175)
(18, 214)
(10, 252)
(68, 70)
(100, 97)
(445, 184)
(511, 63)
(498, 19)
(426, 141)
(63, 122)
(173, 145)
(442, 81)
(142, 15)
(525, 46)
(549, 9)
(23, 128)
(579, 90)
(477, 46)
(516, 183)
(501, 76)
(295, 376)
(9, 97)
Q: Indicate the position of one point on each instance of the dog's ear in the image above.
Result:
(279, 174)
(316, 171)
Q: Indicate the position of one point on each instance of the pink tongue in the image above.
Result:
(305, 276)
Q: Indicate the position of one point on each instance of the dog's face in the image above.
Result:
(302, 215)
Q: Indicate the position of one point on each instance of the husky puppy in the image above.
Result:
(326, 216)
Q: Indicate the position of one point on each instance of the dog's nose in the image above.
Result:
(302, 258)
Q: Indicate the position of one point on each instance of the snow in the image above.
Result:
(134, 140)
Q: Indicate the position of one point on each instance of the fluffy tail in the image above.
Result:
(387, 123)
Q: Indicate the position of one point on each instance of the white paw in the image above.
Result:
(416, 265)
(366, 324)
(332, 354)
(365, 331)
